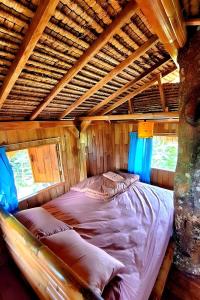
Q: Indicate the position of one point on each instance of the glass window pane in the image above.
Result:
(165, 153)
(24, 180)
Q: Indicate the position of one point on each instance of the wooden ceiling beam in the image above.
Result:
(134, 93)
(118, 69)
(27, 125)
(137, 116)
(35, 30)
(193, 22)
(161, 91)
(127, 86)
(106, 35)
(167, 22)
(130, 96)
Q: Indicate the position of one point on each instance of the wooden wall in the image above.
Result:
(106, 146)
(103, 147)
(70, 158)
(162, 178)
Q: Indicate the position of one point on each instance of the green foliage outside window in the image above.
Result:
(165, 152)
(22, 170)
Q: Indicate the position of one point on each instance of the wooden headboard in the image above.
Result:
(49, 276)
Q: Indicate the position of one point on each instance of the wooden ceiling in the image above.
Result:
(71, 58)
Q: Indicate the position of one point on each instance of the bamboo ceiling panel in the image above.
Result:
(73, 28)
(149, 100)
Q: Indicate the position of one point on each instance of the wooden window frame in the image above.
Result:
(36, 143)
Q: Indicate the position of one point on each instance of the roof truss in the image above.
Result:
(37, 26)
(166, 21)
(118, 69)
(107, 34)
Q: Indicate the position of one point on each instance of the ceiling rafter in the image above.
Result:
(161, 91)
(123, 89)
(127, 86)
(118, 69)
(34, 32)
(134, 93)
(105, 36)
(138, 116)
(167, 22)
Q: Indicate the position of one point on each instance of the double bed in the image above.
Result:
(133, 226)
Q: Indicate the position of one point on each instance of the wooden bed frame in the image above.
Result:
(48, 275)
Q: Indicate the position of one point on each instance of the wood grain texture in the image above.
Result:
(126, 87)
(107, 145)
(162, 178)
(115, 71)
(25, 125)
(45, 163)
(167, 22)
(49, 276)
(38, 24)
(136, 116)
(124, 16)
(69, 147)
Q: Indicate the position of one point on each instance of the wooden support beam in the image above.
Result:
(26, 125)
(37, 26)
(130, 108)
(107, 34)
(193, 22)
(167, 22)
(135, 55)
(134, 93)
(161, 90)
(139, 116)
(130, 96)
(127, 86)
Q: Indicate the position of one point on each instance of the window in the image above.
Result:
(165, 152)
(35, 168)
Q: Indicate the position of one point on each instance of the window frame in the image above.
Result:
(170, 136)
(37, 143)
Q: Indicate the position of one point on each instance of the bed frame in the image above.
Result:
(48, 275)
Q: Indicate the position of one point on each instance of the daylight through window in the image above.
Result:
(165, 153)
(34, 169)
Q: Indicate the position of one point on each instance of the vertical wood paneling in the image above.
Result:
(108, 144)
(69, 152)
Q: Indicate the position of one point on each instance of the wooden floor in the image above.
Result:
(181, 287)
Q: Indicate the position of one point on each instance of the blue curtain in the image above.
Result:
(140, 155)
(8, 192)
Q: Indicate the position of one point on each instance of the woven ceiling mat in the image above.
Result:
(73, 28)
(149, 100)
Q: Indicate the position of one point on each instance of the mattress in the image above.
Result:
(134, 227)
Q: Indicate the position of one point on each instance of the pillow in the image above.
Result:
(101, 187)
(113, 176)
(41, 223)
(91, 263)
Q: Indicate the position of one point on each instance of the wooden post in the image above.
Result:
(187, 179)
(82, 155)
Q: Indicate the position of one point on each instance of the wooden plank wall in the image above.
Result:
(162, 178)
(70, 158)
(107, 148)
(103, 147)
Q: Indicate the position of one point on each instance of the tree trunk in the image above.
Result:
(187, 179)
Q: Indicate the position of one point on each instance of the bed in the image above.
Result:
(133, 226)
